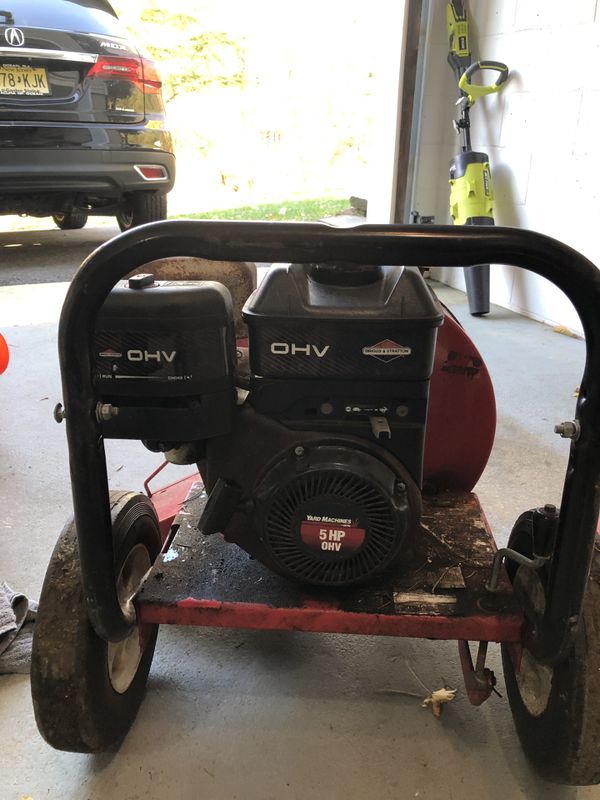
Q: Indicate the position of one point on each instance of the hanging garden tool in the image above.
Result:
(471, 193)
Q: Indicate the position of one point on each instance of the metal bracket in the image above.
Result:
(152, 476)
(480, 681)
(513, 555)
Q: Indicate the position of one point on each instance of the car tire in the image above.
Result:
(140, 208)
(71, 221)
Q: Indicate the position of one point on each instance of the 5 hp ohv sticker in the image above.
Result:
(331, 535)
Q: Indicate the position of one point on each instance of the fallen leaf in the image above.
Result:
(437, 699)
(566, 331)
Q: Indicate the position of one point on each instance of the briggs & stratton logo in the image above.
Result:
(386, 351)
(15, 37)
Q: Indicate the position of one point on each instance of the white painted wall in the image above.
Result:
(542, 134)
(387, 101)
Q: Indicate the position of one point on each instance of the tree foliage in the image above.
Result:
(190, 58)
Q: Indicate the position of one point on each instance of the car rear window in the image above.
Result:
(83, 16)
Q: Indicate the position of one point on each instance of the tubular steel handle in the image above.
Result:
(413, 245)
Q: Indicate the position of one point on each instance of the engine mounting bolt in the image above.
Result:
(59, 413)
(569, 430)
(326, 408)
(106, 411)
(299, 451)
(402, 411)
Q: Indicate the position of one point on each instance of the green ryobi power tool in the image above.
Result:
(471, 193)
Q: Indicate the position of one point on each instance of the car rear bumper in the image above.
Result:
(92, 173)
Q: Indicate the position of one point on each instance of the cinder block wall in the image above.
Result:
(542, 134)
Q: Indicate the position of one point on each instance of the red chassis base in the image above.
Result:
(438, 591)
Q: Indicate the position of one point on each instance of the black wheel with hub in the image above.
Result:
(556, 709)
(70, 221)
(142, 207)
(86, 692)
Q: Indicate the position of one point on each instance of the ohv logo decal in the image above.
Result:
(155, 355)
(285, 349)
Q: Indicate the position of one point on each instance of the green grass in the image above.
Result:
(296, 210)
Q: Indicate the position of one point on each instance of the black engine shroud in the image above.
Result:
(316, 469)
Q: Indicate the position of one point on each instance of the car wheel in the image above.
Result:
(140, 208)
(86, 692)
(71, 221)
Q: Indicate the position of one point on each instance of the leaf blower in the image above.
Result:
(471, 192)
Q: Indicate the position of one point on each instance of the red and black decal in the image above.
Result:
(332, 534)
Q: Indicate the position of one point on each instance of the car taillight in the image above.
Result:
(151, 172)
(139, 71)
(128, 69)
(152, 81)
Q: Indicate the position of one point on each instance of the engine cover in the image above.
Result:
(332, 515)
(346, 351)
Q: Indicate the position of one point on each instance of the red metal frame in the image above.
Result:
(329, 619)
(169, 500)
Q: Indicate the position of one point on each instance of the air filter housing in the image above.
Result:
(164, 357)
(332, 516)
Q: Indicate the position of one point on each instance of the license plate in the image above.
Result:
(23, 80)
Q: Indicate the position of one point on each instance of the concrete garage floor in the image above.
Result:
(257, 715)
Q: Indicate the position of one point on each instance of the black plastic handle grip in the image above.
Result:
(498, 66)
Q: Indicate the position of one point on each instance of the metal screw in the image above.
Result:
(326, 408)
(59, 413)
(549, 508)
(105, 412)
(569, 430)
(299, 451)
(401, 411)
(400, 486)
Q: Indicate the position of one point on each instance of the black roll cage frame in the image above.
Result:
(423, 246)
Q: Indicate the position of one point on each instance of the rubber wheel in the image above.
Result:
(71, 221)
(86, 692)
(140, 208)
(556, 710)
